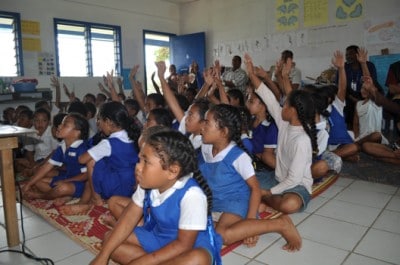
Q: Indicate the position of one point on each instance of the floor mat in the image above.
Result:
(88, 230)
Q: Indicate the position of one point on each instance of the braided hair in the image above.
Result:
(228, 116)
(303, 102)
(172, 147)
(118, 114)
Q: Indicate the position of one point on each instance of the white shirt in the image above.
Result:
(42, 145)
(193, 214)
(103, 148)
(196, 140)
(294, 151)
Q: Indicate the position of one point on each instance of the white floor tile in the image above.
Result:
(25, 212)
(315, 203)
(381, 245)
(55, 246)
(398, 192)
(35, 226)
(15, 258)
(388, 221)
(298, 217)
(264, 242)
(331, 232)
(364, 197)
(331, 192)
(234, 259)
(254, 262)
(355, 259)
(370, 186)
(81, 258)
(311, 253)
(343, 182)
(394, 204)
(349, 212)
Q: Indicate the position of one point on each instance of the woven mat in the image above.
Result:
(88, 230)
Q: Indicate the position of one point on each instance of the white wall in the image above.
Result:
(132, 15)
(237, 20)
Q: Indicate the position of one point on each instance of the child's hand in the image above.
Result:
(110, 81)
(54, 82)
(208, 78)
(287, 67)
(338, 59)
(161, 68)
(260, 72)
(369, 86)
(278, 68)
(249, 64)
(101, 87)
(362, 55)
(133, 71)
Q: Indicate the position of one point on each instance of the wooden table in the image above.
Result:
(9, 141)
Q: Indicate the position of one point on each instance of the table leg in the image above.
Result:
(8, 190)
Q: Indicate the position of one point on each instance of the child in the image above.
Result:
(191, 121)
(174, 201)
(74, 130)
(112, 161)
(290, 190)
(43, 141)
(158, 116)
(230, 174)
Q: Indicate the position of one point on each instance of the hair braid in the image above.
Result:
(174, 148)
(305, 108)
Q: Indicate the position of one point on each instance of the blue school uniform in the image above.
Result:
(115, 174)
(265, 135)
(338, 129)
(230, 191)
(68, 157)
(161, 224)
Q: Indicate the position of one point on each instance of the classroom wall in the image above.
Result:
(233, 23)
(132, 15)
(240, 23)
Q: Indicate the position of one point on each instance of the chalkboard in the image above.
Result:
(382, 63)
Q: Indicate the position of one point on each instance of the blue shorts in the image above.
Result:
(267, 181)
(79, 185)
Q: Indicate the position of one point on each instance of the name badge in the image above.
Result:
(71, 153)
(353, 85)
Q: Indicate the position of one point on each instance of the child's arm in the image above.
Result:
(208, 80)
(268, 157)
(120, 86)
(262, 90)
(137, 88)
(128, 220)
(56, 84)
(338, 61)
(168, 93)
(43, 170)
(103, 89)
(156, 87)
(261, 73)
(255, 197)
(110, 84)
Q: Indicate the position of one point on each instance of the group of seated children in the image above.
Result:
(196, 172)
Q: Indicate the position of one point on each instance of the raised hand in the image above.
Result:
(362, 55)
(249, 64)
(54, 82)
(133, 72)
(260, 72)
(287, 67)
(161, 69)
(278, 68)
(338, 59)
(208, 76)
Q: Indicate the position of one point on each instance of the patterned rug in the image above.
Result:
(88, 230)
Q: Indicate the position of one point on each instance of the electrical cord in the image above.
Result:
(45, 261)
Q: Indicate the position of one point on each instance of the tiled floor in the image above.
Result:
(352, 223)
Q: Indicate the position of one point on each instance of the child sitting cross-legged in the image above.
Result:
(70, 182)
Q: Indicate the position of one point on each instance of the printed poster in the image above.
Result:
(30, 27)
(315, 13)
(347, 10)
(382, 30)
(287, 15)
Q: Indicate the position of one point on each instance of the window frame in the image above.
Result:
(88, 39)
(18, 40)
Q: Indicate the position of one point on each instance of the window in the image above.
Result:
(156, 48)
(11, 50)
(87, 49)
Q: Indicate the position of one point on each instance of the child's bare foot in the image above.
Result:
(32, 195)
(75, 209)
(61, 201)
(108, 220)
(291, 235)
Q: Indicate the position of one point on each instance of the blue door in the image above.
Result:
(187, 48)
